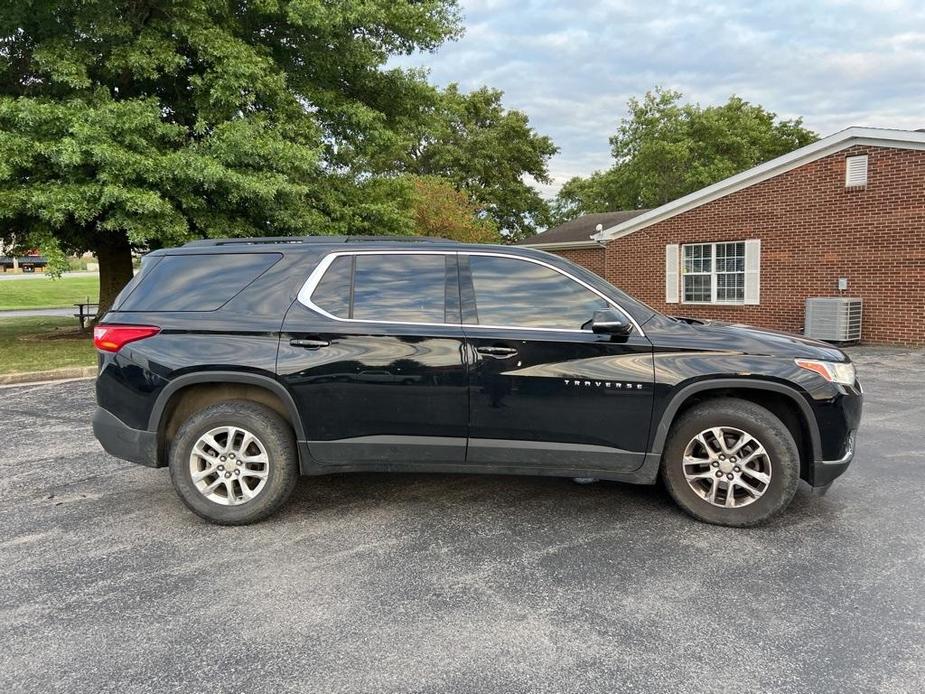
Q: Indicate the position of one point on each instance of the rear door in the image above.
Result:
(373, 353)
(544, 390)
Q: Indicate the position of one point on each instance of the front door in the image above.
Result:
(545, 391)
(374, 356)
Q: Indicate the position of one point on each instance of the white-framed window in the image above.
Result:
(725, 272)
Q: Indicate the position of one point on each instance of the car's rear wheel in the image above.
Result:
(731, 462)
(234, 462)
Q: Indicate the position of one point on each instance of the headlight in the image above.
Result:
(841, 372)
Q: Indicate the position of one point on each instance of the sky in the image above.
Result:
(572, 66)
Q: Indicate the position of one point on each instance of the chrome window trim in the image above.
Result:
(310, 284)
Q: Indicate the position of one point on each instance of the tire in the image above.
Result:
(732, 418)
(269, 485)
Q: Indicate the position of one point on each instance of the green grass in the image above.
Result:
(45, 292)
(39, 344)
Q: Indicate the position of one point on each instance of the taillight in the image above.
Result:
(112, 338)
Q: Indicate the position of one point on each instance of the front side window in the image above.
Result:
(517, 293)
(714, 272)
(392, 288)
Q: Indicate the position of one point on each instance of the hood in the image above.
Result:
(737, 337)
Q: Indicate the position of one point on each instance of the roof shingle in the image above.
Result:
(579, 230)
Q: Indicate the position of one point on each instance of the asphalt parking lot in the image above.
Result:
(432, 583)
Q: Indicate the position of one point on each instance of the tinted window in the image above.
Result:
(147, 264)
(196, 282)
(400, 288)
(511, 292)
(333, 291)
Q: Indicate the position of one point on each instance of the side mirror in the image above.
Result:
(610, 322)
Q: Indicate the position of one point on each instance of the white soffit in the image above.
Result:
(564, 245)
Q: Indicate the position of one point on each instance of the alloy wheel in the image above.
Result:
(229, 465)
(727, 467)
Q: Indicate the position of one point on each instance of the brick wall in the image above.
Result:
(813, 230)
(591, 258)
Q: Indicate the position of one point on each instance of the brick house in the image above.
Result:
(844, 216)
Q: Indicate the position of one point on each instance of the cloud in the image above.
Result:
(572, 66)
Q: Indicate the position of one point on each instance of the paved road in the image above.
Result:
(29, 312)
(439, 583)
(41, 275)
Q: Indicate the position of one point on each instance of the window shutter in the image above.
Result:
(752, 271)
(672, 264)
(856, 171)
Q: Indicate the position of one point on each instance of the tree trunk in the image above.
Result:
(115, 256)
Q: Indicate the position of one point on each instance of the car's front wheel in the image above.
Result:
(234, 462)
(731, 462)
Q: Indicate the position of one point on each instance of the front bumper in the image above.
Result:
(824, 472)
(838, 418)
(120, 440)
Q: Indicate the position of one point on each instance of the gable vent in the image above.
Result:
(856, 171)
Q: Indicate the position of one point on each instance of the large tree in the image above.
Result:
(486, 151)
(152, 121)
(665, 149)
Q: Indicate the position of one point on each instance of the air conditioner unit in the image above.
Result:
(834, 319)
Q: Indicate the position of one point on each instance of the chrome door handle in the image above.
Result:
(309, 344)
(501, 352)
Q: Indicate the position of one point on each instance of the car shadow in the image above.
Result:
(464, 496)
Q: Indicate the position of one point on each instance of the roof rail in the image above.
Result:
(264, 239)
(311, 239)
(400, 239)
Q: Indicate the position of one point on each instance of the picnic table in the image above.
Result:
(85, 312)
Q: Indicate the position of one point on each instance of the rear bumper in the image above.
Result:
(121, 441)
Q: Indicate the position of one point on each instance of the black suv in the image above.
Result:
(243, 363)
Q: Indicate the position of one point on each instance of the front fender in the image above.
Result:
(679, 395)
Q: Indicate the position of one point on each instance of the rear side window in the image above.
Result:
(517, 293)
(333, 291)
(394, 288)
(147, 264)
(400, 288)
(196, 282)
